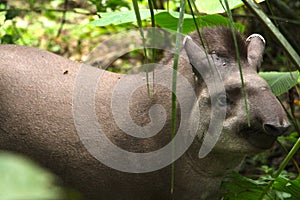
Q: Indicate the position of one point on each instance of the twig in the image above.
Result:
(63, 20)
(285, 10)
(38, 10)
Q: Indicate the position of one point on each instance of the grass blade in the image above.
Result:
(228, 11)
(174, 84)
(139, 22)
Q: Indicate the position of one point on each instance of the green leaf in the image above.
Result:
(22, 179)
(280, 82)
(291, 187)
(2, 18)
(81, 10)
(169, 20)
(10, 14)
(117, 18)
(238, 187)
(214, 6)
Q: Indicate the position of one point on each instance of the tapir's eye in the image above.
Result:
(222, 100)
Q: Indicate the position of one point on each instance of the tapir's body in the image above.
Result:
(37, 119)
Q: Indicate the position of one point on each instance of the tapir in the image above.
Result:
(75, 119)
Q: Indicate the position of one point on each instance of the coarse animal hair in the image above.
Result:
(219, 40)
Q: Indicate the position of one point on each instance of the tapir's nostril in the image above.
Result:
(276, 130)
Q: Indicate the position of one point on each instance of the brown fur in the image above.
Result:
(220, 40)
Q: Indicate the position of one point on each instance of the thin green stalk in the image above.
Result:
(272, 13)
(151, 4)
(139, 22)
(198, 31)
(196, 24)
(174, 84)
(287, 158)
(228, 11)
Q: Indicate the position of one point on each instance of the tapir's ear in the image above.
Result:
(197, 56)
(256, 46)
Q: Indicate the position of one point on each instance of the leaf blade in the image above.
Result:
(280, 82)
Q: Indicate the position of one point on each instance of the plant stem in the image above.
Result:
(174, 84)
(228, 11)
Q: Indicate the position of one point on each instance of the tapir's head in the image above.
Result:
(267, 117)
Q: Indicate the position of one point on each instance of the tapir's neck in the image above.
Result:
(202, 178)
(215, 164)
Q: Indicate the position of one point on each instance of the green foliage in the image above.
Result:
(214, 6)
(167, 20)
(288, 188)
(290, 138)
(42, 29)
(22, 179)
(281, 82)
(238, 187)
(11, 14)
(103, 6)
(120, 17)
(8, 36)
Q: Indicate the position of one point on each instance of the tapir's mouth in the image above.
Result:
(257, 137)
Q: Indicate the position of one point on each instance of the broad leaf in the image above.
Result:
(291, 187)
(280, 82)
(22, 179)
(214, 6)
(167, 20)
(2, 18)
(121, 17)
(239, 187)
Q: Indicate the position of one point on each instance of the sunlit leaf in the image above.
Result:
(117, 18)
(280, 82)
(169, 20)
(22, 179)
(164, 19)
(2, 18)
(214, 6)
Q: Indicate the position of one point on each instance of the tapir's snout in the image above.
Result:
(269, 120)
(276, 129)
(263, 137)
